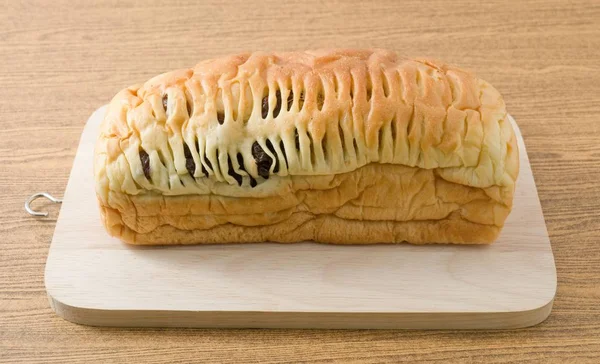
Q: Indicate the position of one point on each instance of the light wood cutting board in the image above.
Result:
(94, 279)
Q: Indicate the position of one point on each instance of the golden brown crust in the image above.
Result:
(375, 203)
(366, 119)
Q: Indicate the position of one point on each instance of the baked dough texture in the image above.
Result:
(334, 146)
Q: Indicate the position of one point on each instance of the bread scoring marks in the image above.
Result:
(206, 165)
(250, 117)
(231, 171)
(265, 105)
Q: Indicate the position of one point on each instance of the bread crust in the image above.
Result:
(362, 146)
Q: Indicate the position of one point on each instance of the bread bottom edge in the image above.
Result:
(304, 227)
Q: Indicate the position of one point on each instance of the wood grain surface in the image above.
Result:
(60, 60)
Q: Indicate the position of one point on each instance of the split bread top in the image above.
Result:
(239, 126)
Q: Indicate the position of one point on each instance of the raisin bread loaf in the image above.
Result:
(334, 146)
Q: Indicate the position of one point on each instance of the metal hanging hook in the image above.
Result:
(36, 196)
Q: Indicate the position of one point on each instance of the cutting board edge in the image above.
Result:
(302, 320)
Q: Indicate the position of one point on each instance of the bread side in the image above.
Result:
(373, 204)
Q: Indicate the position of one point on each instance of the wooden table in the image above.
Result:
(60, 60)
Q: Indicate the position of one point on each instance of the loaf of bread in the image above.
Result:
(333, 146)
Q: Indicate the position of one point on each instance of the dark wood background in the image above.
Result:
(60, 60)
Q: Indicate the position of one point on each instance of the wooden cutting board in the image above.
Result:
(94, 279)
